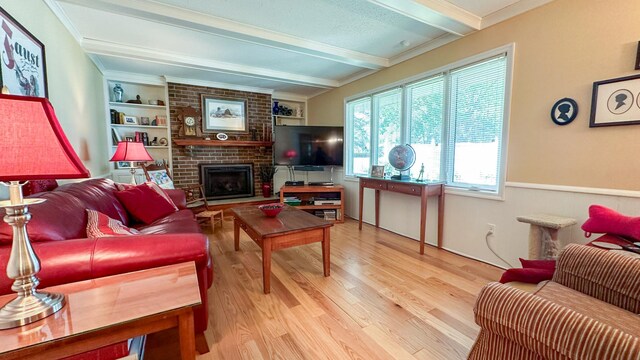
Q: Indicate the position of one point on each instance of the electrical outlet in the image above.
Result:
(491, 229)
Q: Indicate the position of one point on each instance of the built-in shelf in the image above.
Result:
(202, 142)
(138, 126)
(150, 147)
(289, 117)
(144, 106)
(319, 207)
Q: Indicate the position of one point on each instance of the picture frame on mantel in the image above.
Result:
(638, 57)
(616, 102)
(226, 115)
(23, 68)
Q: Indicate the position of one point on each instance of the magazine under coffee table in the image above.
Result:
(292, 227)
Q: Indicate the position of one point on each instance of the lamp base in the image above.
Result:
(24, 310)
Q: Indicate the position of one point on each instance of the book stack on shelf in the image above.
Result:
(292, 200)
(326, 214)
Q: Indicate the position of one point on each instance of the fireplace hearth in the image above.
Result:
(227, 181)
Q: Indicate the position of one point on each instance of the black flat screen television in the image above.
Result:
(308, 145)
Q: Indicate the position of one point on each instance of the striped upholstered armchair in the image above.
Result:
(589, 310)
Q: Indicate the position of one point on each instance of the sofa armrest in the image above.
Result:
(178, 197)
(604, 275)
(74, 260)
(549, 330)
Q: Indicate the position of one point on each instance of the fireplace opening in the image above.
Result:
(227, 181)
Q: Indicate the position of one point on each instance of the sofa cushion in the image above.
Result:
(179, 222)
(586, 305)
(62, 216)
(100, 225)
(98, 194)
(145, 204)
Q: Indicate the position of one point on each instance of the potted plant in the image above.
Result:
(266, 175)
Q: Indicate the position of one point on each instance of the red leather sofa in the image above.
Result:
(58, 234)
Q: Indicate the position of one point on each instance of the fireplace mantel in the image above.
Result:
(203, 142)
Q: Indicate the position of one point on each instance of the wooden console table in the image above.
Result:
(413, 188)
(108, 310)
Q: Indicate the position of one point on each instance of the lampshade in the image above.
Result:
(131, 151)
(33, 145)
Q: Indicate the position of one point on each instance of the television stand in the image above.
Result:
(330, 200)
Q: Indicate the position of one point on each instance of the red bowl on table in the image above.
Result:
(271, 210)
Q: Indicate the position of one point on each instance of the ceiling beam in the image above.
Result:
(175, 16)
(106, 48)
(437, 13)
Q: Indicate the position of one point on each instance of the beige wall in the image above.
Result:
(560, 50)
(75, 84)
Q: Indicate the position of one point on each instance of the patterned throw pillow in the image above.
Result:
(161, 177)
(100, 225)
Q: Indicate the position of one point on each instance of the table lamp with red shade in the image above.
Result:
(131, 152)
(34, 148)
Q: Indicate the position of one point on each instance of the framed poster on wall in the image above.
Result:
(616, 102)
(224, 115)
(22, 67)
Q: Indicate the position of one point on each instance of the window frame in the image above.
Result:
(445, 156)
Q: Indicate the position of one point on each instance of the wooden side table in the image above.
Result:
(108, 310)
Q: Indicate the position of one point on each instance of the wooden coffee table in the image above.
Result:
(292, 227)
(108, 310)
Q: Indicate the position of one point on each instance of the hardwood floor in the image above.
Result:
(382, 301)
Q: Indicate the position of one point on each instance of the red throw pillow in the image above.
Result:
(38, 186)
(531, 275)
(100, 225)
(145, 204)
(155, 187)
(603, 220)
(538, 264)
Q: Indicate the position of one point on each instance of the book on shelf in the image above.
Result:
(143, 137)
(115, 136)
(115, 118)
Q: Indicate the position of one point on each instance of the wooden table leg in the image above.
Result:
(423, 218)
(440, 216)
(202, 347)
(187, 337)
(360, 208)
(236, 234)
(266, 265)
(326, 251)
(377, 209)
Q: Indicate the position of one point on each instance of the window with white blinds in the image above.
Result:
(426, 115)
(358, 129)
(387, 112)
(476, 117)
(454, 119)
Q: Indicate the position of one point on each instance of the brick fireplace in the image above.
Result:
(186, 165)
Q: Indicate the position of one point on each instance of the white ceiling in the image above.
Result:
(288, 46)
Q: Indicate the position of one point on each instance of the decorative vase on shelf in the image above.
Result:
(275, 108)
(266, 190)
(118, 91)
